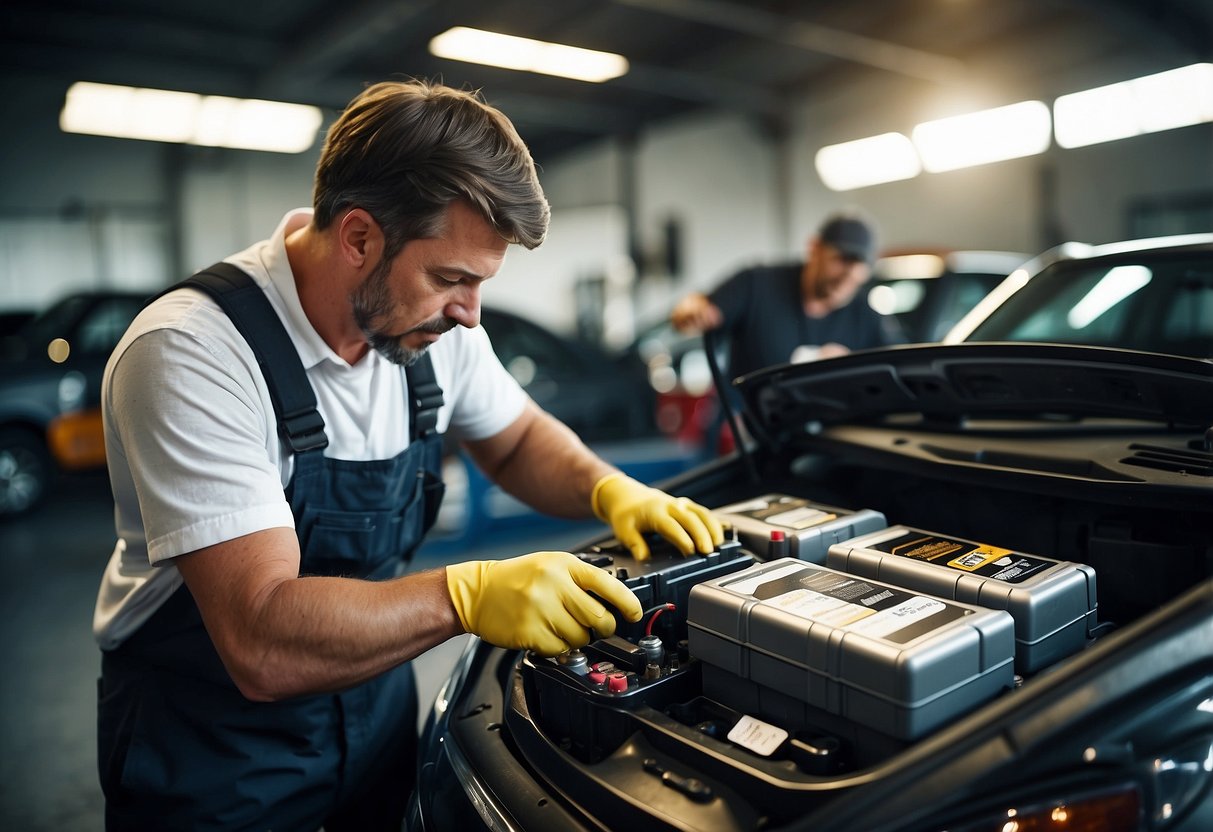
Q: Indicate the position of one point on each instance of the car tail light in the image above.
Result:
(77, 440)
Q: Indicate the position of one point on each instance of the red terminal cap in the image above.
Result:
(617, 682)
(776, 535)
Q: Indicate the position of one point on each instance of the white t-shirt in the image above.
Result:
(192, 440)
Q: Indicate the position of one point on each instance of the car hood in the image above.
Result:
(953, 383)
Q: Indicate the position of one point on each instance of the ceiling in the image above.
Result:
(747, 56)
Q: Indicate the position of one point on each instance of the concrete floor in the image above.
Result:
(49, 663)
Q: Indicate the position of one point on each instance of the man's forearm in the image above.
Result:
(317, 634)
(550, 469)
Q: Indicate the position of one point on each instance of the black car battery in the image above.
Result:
(1053, 602)
(809, 528)
(789, 640)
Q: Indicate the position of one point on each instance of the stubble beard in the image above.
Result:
(370, 302)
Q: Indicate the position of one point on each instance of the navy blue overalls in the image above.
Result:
(179, 747)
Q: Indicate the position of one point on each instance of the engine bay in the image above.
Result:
(819, 645)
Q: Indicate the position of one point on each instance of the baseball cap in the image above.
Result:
(851, 235)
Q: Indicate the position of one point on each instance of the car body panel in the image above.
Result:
(51, 369)
(1148, 295)
(1087, 455)
(929, 290)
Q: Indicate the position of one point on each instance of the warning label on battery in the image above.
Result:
(843, 601)
(801, 518)
(977, 558)
(788, 512)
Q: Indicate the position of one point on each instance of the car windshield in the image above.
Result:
(1156, 304)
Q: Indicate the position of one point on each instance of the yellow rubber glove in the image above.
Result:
(537, 602)
(633, 508)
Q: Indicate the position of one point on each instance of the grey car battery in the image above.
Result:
(809, 528)
(1053, 602)
(787, 634)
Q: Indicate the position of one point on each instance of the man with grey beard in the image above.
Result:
(274, 433)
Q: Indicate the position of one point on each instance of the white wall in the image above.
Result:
(232, 199)
(738, 195)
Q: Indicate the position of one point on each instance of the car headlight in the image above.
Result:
(71, 391)
(1158, 794)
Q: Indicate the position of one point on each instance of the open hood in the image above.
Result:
(954, 383)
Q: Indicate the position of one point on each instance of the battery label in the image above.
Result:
(800, 518)
(978, 558)
(849, 603)
(757, 736)
(746, 586)
(789, 512)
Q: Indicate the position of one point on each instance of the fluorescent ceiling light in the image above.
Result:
(871, 161)
(480, 47)
(1149, 104)
(1009, 132)
(189, 118)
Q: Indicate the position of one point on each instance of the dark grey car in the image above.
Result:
(53, 366)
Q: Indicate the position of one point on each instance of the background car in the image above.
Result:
(599, 395)
(1151, 295)
(50, 386)
(824, 691)
(928, 289)
(604, 398)
(11, 320)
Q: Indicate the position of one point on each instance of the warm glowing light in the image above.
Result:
(188, 118)
(480, 47)
(58, 350)
(889, 157)
(910, 266)
(896, 297)
(1009, 132)
(1059, 815)
(1177, 98)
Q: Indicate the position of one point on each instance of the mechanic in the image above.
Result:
(273, 432)
(793, 312)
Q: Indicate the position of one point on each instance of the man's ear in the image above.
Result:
(359, 238)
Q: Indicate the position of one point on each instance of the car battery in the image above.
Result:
(665, 578)
(878, 655)
(809, 528)
(1053, 602)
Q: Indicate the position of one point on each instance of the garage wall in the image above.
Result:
(713, 173)
(88, 211)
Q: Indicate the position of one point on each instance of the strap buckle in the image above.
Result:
(427, 398)
(304, 430)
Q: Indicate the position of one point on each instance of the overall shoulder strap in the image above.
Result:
(425, 397)
(299, 422)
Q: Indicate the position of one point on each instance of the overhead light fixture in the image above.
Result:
(1177, 98)
(856, 164)
(189, 118)
(509, 52)
(1009, 132)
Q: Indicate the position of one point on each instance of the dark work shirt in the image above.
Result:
(765, 322)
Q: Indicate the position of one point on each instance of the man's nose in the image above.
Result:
(464, 308)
